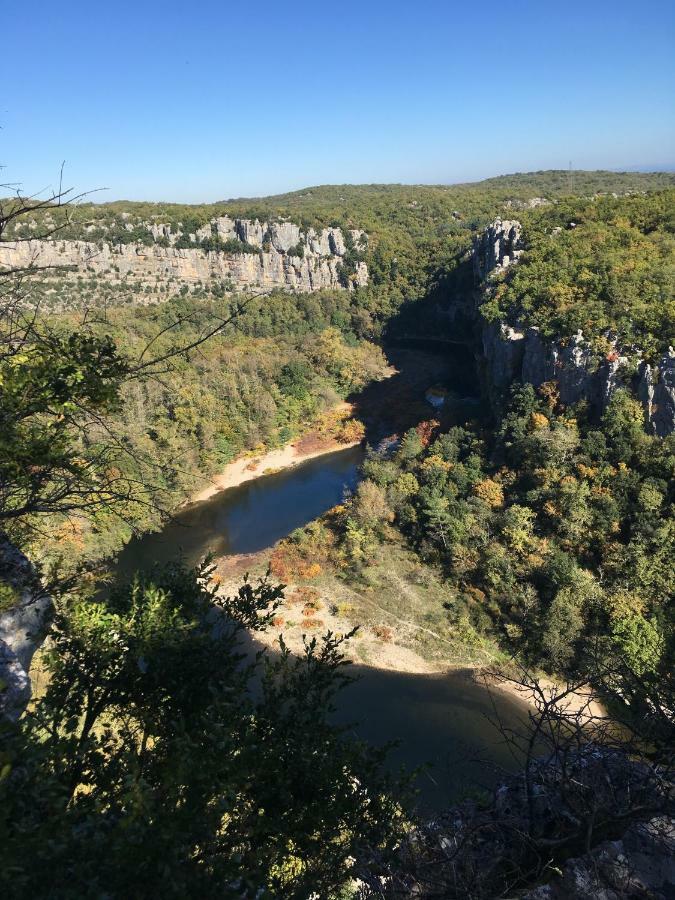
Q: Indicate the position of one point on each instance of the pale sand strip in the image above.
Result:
(246, 468)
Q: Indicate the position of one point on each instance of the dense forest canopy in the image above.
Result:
(601, 266)
(284, 362)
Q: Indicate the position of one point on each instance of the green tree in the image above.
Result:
(166, 757)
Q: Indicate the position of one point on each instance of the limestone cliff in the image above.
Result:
(238, 253)
(496, 248)
(522, 354)
(23, 619)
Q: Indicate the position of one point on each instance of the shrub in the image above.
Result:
(383, 633)
(9, 597)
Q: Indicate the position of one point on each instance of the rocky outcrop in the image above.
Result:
(579, 374)
(496, 248)
(503, 350)
(639, 864)
(523, 354)
(529, 828)
(656, 390)
(24, 616)
(286, 258)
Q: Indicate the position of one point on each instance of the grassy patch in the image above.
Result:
(399, 593)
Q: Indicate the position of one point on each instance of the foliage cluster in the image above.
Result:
(555, 534)
(149, 765)
(601, 265)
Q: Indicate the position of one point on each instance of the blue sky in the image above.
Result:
(209, 100)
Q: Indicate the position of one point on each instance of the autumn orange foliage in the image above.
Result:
(427, 431)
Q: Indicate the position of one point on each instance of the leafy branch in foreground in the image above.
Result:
(58, 388)
(169, 756)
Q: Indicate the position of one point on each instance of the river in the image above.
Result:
(438, 719)
(250, 517)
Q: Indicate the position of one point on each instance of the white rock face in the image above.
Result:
(226, 228)
(319, 243)
(171, 267)
(656, 390)
(283, 236)
(251, 232)
(496, 248)
(337, 242)
(22, 628)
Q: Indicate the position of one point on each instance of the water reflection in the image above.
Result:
(250, 517)
(443, 720)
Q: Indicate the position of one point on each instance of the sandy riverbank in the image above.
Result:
(246, 468)
(578, 702)
(379, 649)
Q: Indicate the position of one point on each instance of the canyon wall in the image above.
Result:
(271, 255)
(523, 354)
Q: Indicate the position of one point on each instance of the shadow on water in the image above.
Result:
(444, 725)
(250, 517)
(398, 403)
(443, 720)
(438, 719)
(258, 513)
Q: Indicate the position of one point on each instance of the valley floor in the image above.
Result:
(397, 605)
(394, 618)
(397, 609)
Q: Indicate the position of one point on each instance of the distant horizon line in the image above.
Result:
(662, 169)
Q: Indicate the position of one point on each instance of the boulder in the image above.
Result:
(640, 864)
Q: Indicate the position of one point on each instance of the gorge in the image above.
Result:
(439, 717)
(510, 508)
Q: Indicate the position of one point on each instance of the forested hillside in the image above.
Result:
(281, 364)
(286, 359)
(161, 755)
(601, 266)
(415, 232)
(553, 534)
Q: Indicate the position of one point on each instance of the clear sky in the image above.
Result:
(212, 99)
